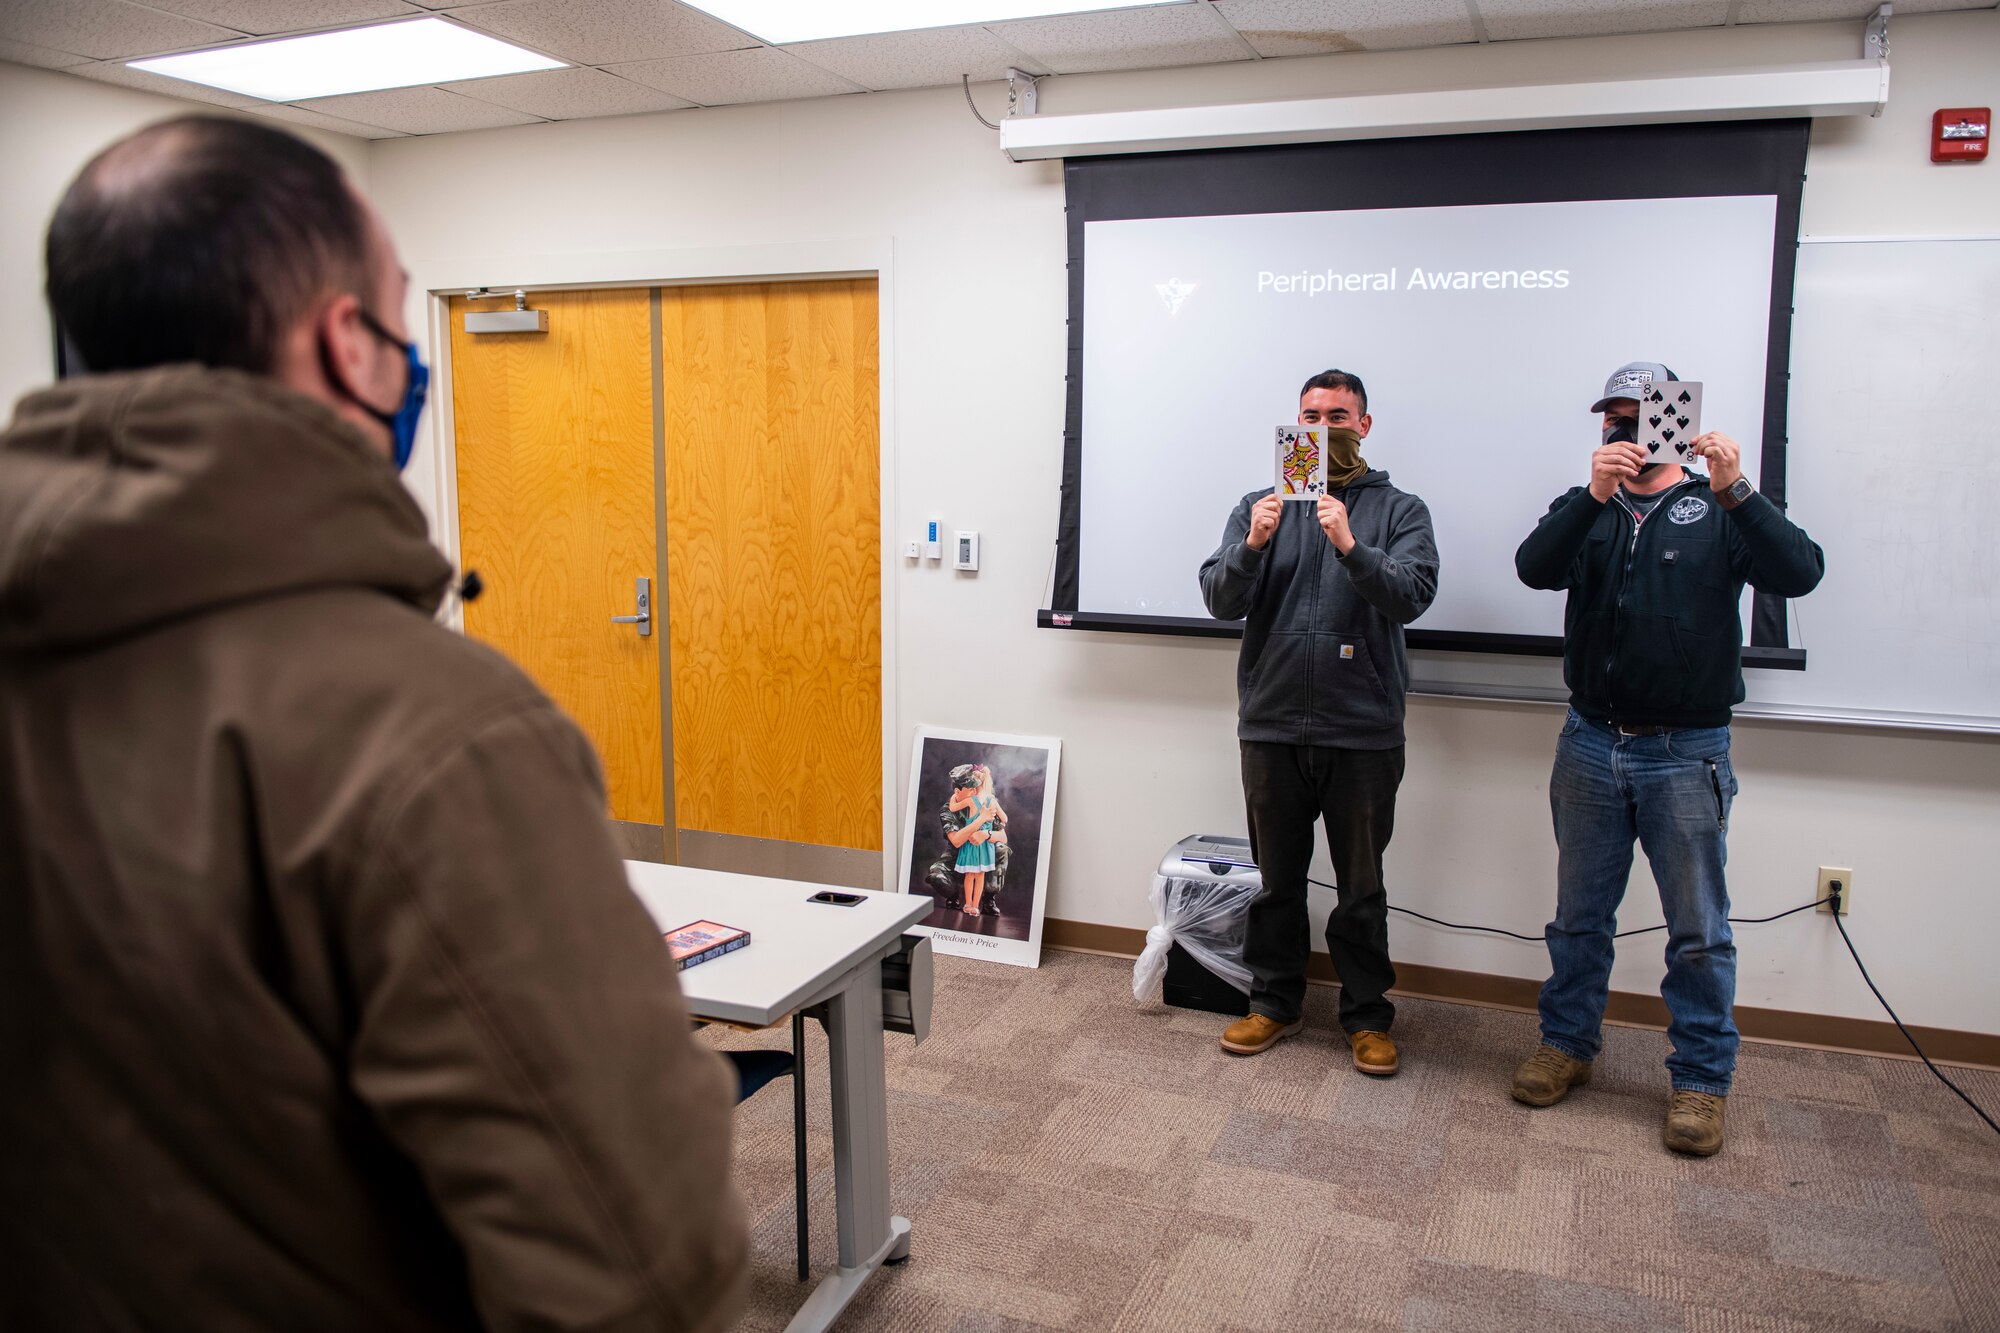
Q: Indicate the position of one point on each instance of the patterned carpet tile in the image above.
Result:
(1072, 1161)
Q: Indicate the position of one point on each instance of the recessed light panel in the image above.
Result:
(354, 60)
(781, 21)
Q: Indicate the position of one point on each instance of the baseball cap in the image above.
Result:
(1632, 380)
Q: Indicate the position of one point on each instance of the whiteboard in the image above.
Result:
(1893, 467)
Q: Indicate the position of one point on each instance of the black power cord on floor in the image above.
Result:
(1832, 899)
(1841, 926)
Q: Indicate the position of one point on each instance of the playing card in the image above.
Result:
(1670, 420)
(1301, 468)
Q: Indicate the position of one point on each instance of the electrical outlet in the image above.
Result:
(1827, 875)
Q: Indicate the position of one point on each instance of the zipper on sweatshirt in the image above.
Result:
(1624, 577)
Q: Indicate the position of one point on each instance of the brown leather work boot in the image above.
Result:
(1694, 1123)
(1546, 1077)
(1374, 1053)
(1249, 1036)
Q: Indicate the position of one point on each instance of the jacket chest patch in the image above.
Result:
(1346, 651)
(1688, 509)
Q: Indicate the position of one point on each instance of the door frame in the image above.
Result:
(435, 281)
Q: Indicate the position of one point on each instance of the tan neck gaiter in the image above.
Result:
(1344, 463)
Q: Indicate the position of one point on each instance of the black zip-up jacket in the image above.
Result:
(1652, 635)
(1323, 660)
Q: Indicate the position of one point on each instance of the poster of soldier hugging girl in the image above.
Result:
(976, 839)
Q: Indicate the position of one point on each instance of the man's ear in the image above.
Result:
(343, 341)
(1363, 426)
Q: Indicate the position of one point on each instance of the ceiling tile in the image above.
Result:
(104, 29)
(263, 17)
(916, 59)
(1510, 19)
(1805, 11)
(21, 53)
(1125, 39)
(760, 74)
(602, 32)
(1317, 27)
(418, 110)
(118, 72)
(313, 120)
(569, 94)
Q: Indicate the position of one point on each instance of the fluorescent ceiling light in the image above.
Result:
(353, 60)
(780, 21)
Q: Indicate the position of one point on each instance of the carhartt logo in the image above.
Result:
(1175, 293)
(1689, 510)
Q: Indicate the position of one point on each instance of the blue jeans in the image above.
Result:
(1672, 793)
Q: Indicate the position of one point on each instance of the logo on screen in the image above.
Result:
(1175, 293)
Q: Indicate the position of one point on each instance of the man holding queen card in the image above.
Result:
(1324, 568)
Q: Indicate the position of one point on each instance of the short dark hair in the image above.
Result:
(1338, 379)
(201, 239)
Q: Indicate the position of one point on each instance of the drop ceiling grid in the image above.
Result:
(263, 18)
(1153, 37)
(727, 78)
(423, 110)
(915, 59)
(568, 94)
(105, 29)
(604, 32)
(1323, 27)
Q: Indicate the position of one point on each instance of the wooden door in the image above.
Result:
(556, 512)
(774, 560)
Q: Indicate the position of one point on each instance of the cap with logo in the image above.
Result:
(1631, 380)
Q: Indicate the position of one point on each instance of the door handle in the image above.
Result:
(644, 620)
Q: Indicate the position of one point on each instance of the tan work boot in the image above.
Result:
(1374, 1053)
(1546, 1077)
(1694, 1123)
(1248, 1036)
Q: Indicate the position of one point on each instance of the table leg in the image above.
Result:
(860, 1115)
(869, 1236)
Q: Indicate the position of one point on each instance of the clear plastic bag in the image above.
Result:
(1205, 918)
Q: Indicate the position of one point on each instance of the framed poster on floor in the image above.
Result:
(976, 837)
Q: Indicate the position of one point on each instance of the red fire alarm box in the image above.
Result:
(1959, 133)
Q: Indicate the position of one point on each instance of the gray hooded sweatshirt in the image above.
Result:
(1323, 660)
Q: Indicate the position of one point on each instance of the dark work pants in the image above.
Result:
(1286, 788)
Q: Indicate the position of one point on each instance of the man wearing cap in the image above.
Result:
(1654, 558)
(1324, 594)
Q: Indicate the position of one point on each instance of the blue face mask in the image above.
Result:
(401, 423)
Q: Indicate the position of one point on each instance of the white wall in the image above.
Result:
(977, 317)
(50, 125)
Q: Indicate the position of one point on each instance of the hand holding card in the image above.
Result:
(1724, 457)
(1670, 420)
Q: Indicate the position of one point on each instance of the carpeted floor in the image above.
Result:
(1070, 1160)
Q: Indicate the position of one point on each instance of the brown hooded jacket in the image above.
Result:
(324, 1003)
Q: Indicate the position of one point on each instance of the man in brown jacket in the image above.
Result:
(323, 1000)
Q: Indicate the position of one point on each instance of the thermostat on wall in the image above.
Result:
(965, 551)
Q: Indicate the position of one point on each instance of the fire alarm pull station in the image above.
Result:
(1959, 133)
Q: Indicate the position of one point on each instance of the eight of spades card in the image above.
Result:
(1301, 462)
(1669, 420)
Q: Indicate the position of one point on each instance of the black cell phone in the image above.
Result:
(836, 899)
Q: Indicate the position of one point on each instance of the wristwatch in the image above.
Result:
(1737, 492)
